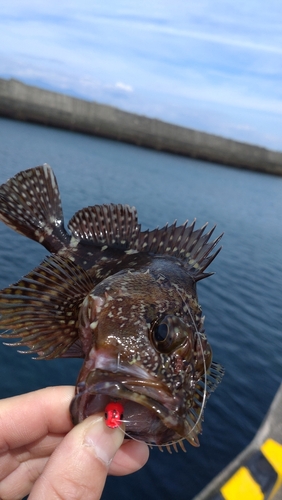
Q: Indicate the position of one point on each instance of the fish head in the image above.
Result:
(144, 348)
(121, 298)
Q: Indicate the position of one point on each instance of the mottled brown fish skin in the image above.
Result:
(123, 299)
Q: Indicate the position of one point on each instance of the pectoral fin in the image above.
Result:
(42, 309)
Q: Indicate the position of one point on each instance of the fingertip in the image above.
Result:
(79, 466)
(103, 440)
(130, 457)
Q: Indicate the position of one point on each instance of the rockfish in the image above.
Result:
(123, 299)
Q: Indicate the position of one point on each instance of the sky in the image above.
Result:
(212, 65)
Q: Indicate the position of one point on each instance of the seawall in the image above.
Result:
(28, 103)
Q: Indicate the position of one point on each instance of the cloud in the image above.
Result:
(225, 40)
(207, 63)
(124, 87)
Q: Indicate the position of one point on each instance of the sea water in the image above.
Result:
(241, 302)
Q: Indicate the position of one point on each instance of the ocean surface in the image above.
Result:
(241, 302)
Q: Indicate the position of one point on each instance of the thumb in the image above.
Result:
(78, 467)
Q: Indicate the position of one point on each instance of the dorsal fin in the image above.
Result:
(112, 225)
(116, 226)
(182, 242)
(42, 308)
(30, 204)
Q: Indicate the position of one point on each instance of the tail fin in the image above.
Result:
(30, 204)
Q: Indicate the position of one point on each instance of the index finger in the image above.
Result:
(25, 418)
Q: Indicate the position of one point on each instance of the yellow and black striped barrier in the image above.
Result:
(258, 478)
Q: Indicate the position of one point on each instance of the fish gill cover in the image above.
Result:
(123, 299)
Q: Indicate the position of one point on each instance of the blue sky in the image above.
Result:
(213, 65)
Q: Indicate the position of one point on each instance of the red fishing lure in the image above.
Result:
(113, 414)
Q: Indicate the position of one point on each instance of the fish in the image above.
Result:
(121, 298)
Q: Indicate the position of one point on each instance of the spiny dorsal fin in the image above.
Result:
(42, 308)
(116, 226)
(182, 242)
(113, 225)
(30, 204)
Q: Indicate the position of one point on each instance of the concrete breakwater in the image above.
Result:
(28, 103)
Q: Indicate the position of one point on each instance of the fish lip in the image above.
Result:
(126, 377)
(106, 386)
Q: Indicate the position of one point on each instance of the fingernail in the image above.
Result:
(104, 441)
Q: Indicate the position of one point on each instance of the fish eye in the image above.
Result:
(169, 334)
(162, 337)
(160, 332)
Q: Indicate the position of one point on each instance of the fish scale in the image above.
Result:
(123, 299)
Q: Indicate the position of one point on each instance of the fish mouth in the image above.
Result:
(150, 412)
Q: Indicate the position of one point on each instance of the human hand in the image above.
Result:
(41, 453)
